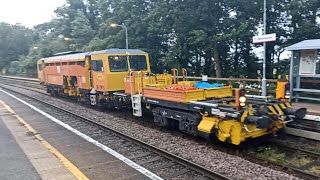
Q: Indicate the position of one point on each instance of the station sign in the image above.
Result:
(264, 38)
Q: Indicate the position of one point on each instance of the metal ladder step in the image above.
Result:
(136, 105)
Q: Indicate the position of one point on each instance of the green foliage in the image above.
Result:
(14, 67)
(211, 37)
(15, 41)
(273, 155)
(81, 30)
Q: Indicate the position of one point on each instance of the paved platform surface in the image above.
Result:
(14, 164)
(91, 160)
(22, 156)
(313, 109)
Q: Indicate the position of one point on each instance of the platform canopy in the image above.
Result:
(306, 44)
(304, 68)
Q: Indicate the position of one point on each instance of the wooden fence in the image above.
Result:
(253, 86)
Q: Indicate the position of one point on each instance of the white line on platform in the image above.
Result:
(105, 148)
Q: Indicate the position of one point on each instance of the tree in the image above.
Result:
(15, 40)
(81, 31)
(210, 37)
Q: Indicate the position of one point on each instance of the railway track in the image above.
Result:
(301, 172)
(306, 124)
(309, 127)
(162, 163)
(290, 158)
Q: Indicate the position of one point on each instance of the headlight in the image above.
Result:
(242, 99)
(242, 104)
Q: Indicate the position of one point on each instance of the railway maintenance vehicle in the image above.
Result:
(122, 78)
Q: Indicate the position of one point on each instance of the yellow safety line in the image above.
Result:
(72, 168)
(7, 107)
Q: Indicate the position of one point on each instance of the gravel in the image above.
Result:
(199, 151)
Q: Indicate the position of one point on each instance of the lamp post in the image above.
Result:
(264, 81)
(125, 28)
(68, 41)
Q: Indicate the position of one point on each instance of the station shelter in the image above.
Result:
(305, 70)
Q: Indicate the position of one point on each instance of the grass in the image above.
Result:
(315, 170)
(272, 155)
(317, 148)
(299, 160)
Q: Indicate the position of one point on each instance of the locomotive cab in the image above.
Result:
(111, 67)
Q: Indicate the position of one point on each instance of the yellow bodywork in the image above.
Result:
(113, 81)
(207, 124)
(137, 81)
(233, 130)
(220, 92)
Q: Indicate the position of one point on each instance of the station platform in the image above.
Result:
(22, 156)
(34, 147)
(313, 109)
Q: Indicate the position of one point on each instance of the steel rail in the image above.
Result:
(202, 170)
(262, 161)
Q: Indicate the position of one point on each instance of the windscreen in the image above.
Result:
(138, 63)
(120, 63)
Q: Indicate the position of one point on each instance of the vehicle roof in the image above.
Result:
(69, 57)
(118, 51)
(81, 56)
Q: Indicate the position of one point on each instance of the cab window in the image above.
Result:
(118, 63)
(40, 67)
(97, 65)
(138, 63)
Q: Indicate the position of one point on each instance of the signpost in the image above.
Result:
(264, 39)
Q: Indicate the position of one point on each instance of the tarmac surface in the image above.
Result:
(86, 159)
(14, 162)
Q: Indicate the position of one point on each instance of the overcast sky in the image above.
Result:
(28, 12)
